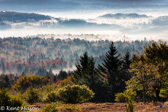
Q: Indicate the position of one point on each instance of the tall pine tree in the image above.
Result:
(83, 65)
(85, 70)
(111, 70)
(86, 74)
(126, 60)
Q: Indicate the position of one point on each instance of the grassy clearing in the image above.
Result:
(106, 107)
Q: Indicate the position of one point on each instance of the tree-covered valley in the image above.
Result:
(52, 75)
(38, 55)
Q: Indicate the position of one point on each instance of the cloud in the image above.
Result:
(37, 2)
(27, 5)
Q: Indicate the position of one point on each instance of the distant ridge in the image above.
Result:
(123, 15)
(16, 17)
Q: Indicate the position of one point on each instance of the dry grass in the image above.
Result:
(115, 107)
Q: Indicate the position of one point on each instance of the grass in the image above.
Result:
(106, 107)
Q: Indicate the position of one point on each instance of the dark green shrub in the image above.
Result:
(51, 97)
(51, 108)
(8, 100)
(32, 95)
(75, 94)
(26, 82)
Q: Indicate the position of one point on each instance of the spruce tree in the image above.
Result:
(5, 82)
(111, 70)
(126, 66)
(83, 66)
(62, 75)
(86, 74)
(126, 60)
(50, 72)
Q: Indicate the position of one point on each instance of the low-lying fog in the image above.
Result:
(115, 24)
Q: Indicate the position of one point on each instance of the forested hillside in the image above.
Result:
(39, 55)
(118, 78)
(16, 17)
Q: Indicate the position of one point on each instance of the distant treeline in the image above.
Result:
(39, 56)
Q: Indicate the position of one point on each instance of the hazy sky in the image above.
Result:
(55, 5)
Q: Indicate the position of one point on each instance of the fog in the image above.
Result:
(78, 22)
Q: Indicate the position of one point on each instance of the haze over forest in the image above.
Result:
(117, 18)
(90, 20)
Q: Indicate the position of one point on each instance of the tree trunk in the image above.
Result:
(144, 94)
(157, 92)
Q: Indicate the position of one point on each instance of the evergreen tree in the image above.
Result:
(50, 72)
(111, 69)
(42, 71)
(26, 69)
(86, 74)
(19, 68)
(83, 65)
(62, 75)
(3, 67)
(85, 70)
(111, 61)
(126, 60)
(5, 82)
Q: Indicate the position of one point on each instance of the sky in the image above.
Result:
(69, 5)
